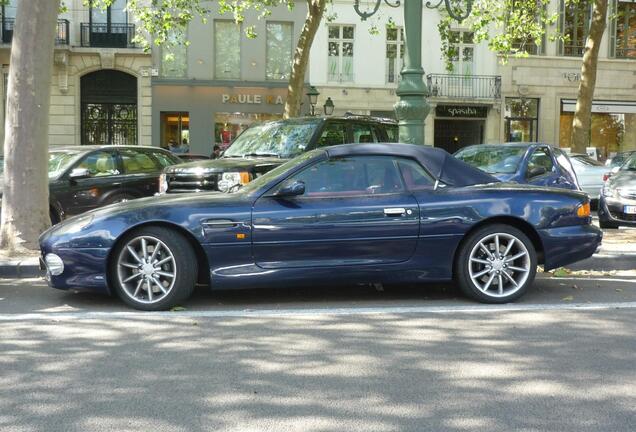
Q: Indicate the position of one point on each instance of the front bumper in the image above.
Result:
(84, 269)
(610, 210)
(567, 245)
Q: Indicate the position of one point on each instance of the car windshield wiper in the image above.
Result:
(276, 155)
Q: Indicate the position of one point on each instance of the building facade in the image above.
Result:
(100, 91)
(206, 93)
(357, 64)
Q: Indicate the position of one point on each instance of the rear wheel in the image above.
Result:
(496, 264)
(154, 268)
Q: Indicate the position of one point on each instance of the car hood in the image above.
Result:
(224, 165)
(623, 179)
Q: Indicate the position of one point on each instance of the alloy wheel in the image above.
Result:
(146, 269)
(499, 265)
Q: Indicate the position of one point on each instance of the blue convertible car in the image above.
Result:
(352, 213)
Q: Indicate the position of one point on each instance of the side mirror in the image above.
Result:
(293, 189)
(79, 173)
(536, 172)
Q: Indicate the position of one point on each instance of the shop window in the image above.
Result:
(175, 130)
(227, 126)
(174, 58)
(394, 53)
(522, 119)
(340, 53)
(227, 50)
(280, 39)
(623, 29)
(575, 25)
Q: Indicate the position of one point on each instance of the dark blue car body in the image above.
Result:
(560, 173)
(250, 239)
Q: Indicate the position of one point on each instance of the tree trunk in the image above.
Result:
(581, 124)
(315, 10)
(25, 201)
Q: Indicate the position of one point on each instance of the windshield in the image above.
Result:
(60, 161)
(630, 164)
(492, 159)
(585, 160)
(285, 139)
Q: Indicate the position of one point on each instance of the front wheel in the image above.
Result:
(496, 264)
(154, 268)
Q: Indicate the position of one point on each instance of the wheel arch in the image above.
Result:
(203, 275)
(513, 221)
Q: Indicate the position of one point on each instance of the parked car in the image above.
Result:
(370, 213)
(618, 159)
(590, 174)
(82, 178)
(532, 163)
(617, 204)
(189, 157)
(265, 146)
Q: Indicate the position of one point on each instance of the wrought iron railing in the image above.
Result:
(107, 35)
(629, 53)
(61, 35)
(573, 50)
(464, 86)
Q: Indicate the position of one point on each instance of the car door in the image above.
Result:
(568, 178)
(82, 194)
(142, 172)
(355, 210)
(541, 169)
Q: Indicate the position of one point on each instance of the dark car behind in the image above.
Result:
(264, 146)
(82, 178)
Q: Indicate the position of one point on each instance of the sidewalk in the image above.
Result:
(25, 266)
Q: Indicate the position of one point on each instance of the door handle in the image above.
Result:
(394, 211)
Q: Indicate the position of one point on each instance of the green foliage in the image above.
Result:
(510, 27)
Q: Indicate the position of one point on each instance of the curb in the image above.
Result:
(606, 261)
(23, 268)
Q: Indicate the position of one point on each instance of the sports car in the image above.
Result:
(357, 213)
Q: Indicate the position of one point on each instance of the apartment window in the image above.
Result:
(575, 25)
(394, 53)
(280, 38)
(113, 14)
(174, 58)
(623, 31)
(227, 50)
(340, 60)
(462, 51)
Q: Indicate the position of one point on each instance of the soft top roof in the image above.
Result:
(437, 161)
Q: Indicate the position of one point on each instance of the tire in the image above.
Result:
(607, 225)
(479, 276)
(131, 274)
(117, 199)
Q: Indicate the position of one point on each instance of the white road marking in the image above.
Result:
(349, 311)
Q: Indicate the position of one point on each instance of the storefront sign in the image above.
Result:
(252, 99)
(613, 107)
(461, 111)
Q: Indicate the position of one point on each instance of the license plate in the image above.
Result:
(629, 210)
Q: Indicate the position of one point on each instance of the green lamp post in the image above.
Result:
(412, 108)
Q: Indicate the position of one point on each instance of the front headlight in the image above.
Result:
(231, 179)
(607, 191)
(163, 183)
(74, 225)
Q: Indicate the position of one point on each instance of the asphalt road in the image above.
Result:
(321, 359)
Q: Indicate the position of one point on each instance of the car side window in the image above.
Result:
(137, 162)
(350, 176)
(333, 134)
(565, 163)
(540, 159)
(164, 159)
(363, 133)
(100, 164)
(414, 175)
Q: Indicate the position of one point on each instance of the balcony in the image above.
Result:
(61, 35)
(464, 86)
(107, 35)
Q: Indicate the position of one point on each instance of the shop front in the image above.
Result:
(458, 126)
(194, 118)
(613, 128)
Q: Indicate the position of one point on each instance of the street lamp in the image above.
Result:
(412, 108)
(328, 106)
(313, 94)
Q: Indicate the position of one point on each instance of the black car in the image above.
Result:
(82, 178)
(617, 205)
(264, 146)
